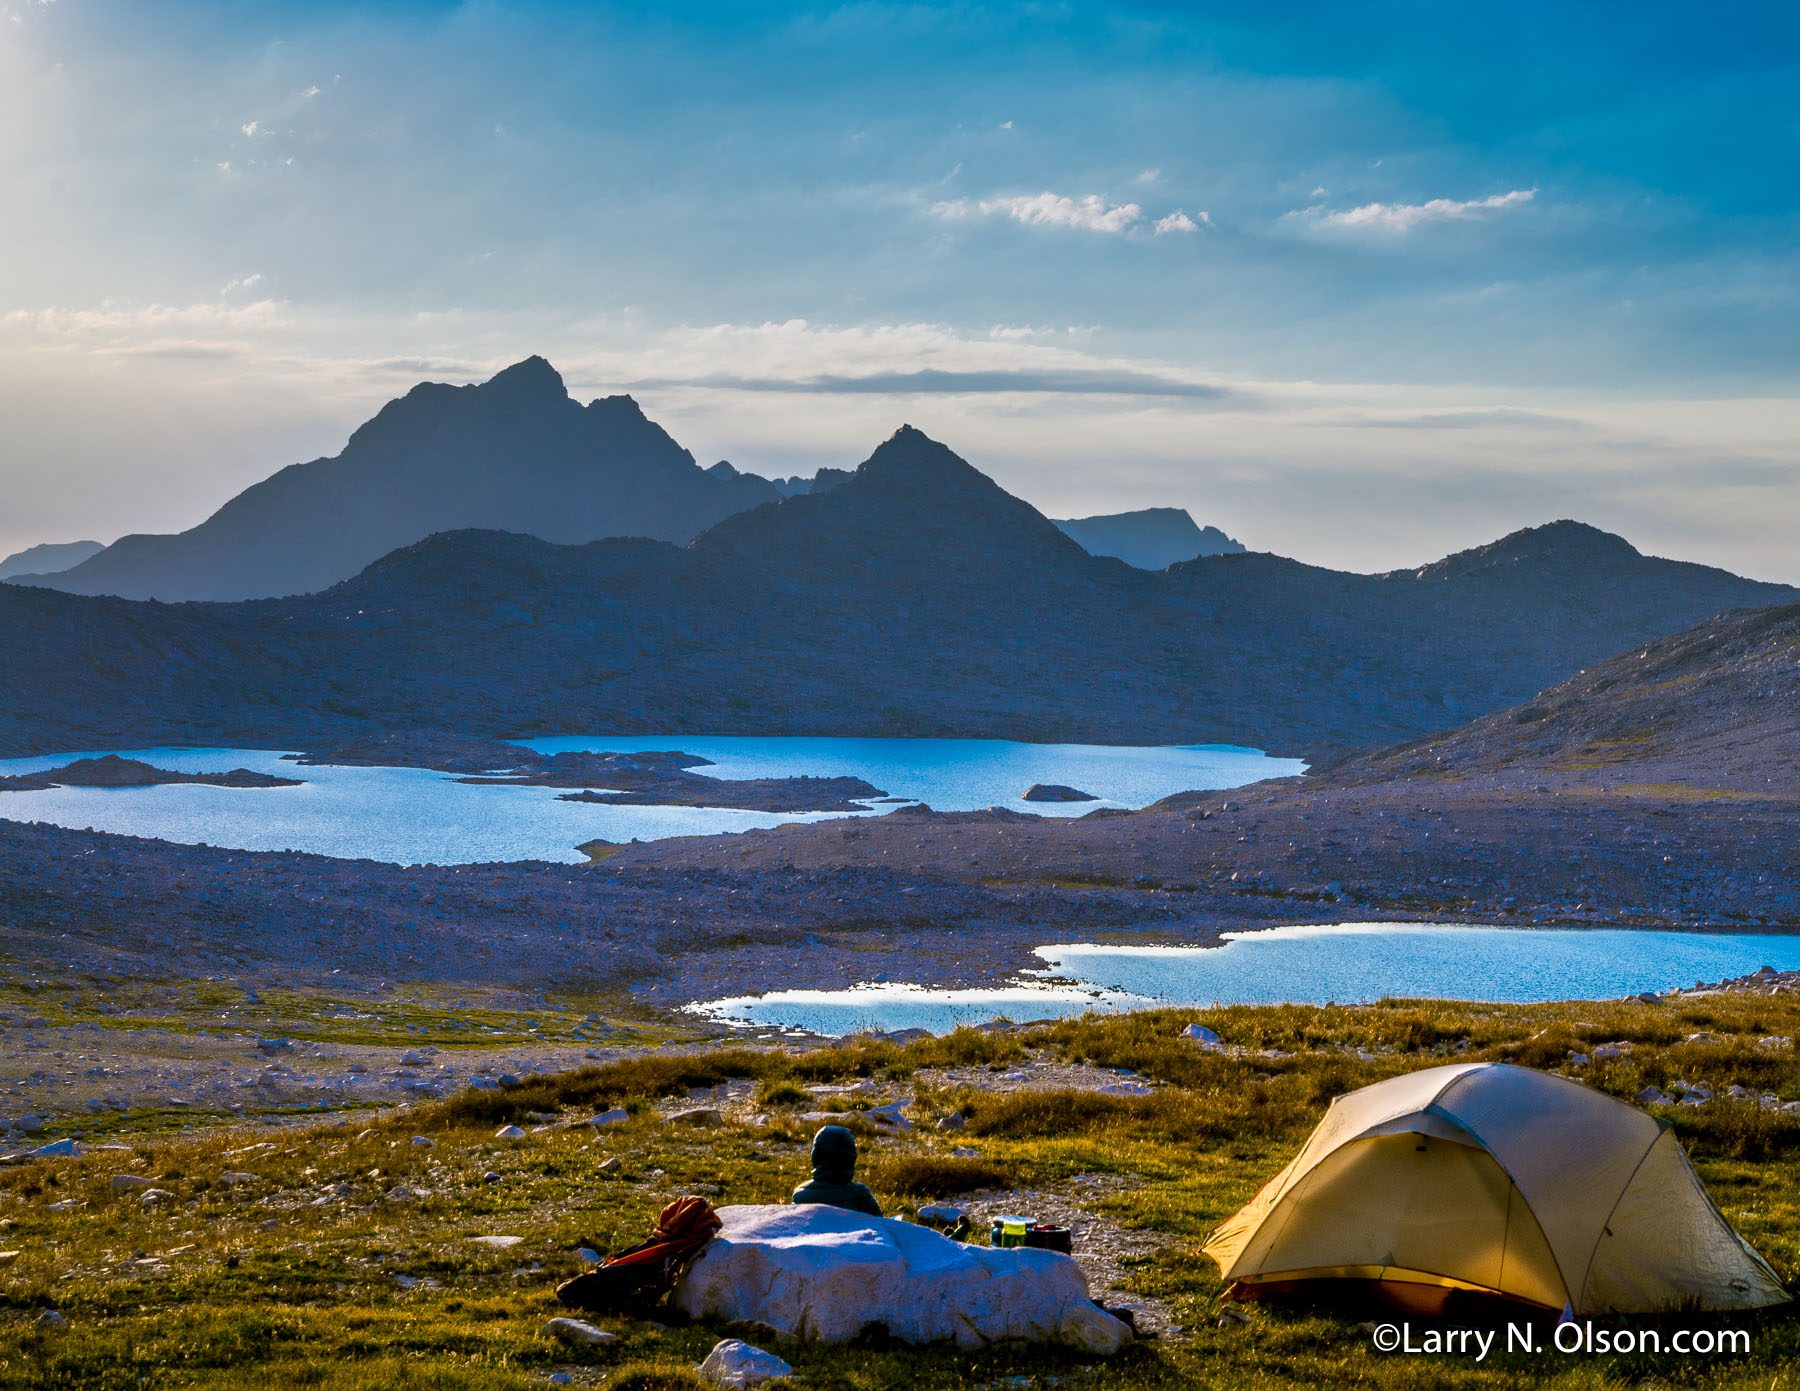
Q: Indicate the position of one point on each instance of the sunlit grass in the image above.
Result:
(313, 1272)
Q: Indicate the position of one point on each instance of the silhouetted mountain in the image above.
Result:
(822, 481)
(1151, 538)
(514, 453)
(48, 558)
(915, 598)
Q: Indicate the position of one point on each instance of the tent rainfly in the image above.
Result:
(1498, 1180)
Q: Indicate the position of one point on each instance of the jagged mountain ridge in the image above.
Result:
(515, 453)
(1151, 538)
(915, 598)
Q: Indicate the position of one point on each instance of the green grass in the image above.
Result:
(306, 1277)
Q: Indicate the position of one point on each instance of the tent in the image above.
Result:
(1498, 1180)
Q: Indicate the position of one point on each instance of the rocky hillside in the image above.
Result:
(1151, 538)
(515, 453)
(914, 598)
(1714, 708)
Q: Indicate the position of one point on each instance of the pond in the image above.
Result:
(1347, 963)
(415, 816)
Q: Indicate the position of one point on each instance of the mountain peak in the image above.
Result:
(529, 379)
(912, 503)
(1559, 542)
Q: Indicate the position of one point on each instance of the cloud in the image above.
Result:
(938, 382)
(1178, 221)
(1479, 419)
(1091, 213)
(1403, 217)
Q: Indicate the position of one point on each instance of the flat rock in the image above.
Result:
(698, 1115)
(122, 1183)
(579, 1333)
(738, 1364)
(496, 1243)
(824, 1274)
(617, 1116)
(509, 1132)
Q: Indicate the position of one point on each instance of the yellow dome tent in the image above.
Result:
(1498, 1180)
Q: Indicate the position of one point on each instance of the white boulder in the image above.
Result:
(578, 1333)
(737, 1364)
(824, 1274)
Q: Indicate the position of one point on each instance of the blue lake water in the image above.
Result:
(415, 816)
(1349, 963)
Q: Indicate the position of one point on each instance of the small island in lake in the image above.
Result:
(110, 770)
(654, 778)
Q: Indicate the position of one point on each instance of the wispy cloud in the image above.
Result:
(1179, 221)
(1403, 217)
(936, 382)
(1090, 214)
(1481, 419)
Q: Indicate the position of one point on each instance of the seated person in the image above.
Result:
(834, 1174)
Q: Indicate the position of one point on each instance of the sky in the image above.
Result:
(1361, 282)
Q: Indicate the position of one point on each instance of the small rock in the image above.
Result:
(496, 1243)
(490, 1177)
(611, 1165)
(579, 1333)
(1650, 1096)
(233, 1179)
(941, 1214)
(699, 1115)
(509, 1079)
(57, 1149)
(892, 1116)
(424, 1142)
(400, 1193)
(7, 1258)
(588, 1254)
(122, 1183)
(616, 1116)
(51, 1321)
(952, 1122)
(413, 1059)
(965, 1154)
(509, 1132)
(153, 1196)
(1202, 1035)
(736, 1364)
(560, 1379)
(31, 1125)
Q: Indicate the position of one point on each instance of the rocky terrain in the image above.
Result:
(1711, 710)
(514, 453)
(109, 770)
(914, 598)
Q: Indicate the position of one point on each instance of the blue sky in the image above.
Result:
(1362, 283)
